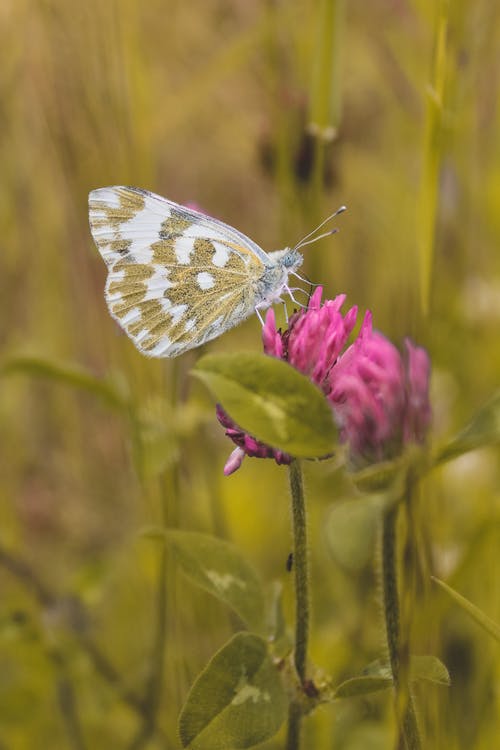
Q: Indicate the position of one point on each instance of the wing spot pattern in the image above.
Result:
(177, 278)
(205, 280)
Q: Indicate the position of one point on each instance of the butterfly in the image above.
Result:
(176, 277)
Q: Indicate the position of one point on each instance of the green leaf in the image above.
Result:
(363, 685)
(483, 620)
(272, 401)
(482, 430)
(378, 668)
(375, 677)
(111, 389)
(430, 669)
(378, 676)
(237, 701)
(219, 568)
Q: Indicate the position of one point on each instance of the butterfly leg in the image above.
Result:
(298, 289)
(304, 279)
(290, 293)
(259, 316)
(276, 301)
(286, 310)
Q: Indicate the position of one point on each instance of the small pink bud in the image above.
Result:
(234, 461)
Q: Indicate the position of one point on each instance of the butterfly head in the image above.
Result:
(288, 259)
(292, 259)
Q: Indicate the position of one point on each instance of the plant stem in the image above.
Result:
(293, 727)
(299, 526)
(66, 697)
(155, 682)
(301, 572)
(405, 710)
(325, 107)
(432, 152)
(167, 493)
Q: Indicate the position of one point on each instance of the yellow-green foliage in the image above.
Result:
(209, 102)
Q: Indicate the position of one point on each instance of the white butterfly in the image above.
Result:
(178, 278)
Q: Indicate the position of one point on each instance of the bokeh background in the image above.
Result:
(213, 102)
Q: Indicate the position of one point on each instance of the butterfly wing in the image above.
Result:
(177, 278)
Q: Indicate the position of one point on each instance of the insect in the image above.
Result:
(178, 278)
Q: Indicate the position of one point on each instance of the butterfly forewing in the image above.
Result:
(177, 278)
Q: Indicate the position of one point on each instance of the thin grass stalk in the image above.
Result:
(168, 516)
(326, 96)
(325, 107)
(67, 701)
(154, 687)
(432, 155)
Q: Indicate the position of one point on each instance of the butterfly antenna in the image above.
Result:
(309, 238)
(315, 239)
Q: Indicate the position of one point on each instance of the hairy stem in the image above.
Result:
(293, 727)
(300, 562)
(301, 570)
(405, 710)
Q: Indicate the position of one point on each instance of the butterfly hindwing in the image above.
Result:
(177, 278)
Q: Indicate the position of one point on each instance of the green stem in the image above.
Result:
(299, 526)
(325, 107)
(66, 697)
(154, 685)
(432, 153)
(293, 728)
(168, 512)
(300, 567)
(405, 710)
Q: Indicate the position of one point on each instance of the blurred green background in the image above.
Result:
(211, 102)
